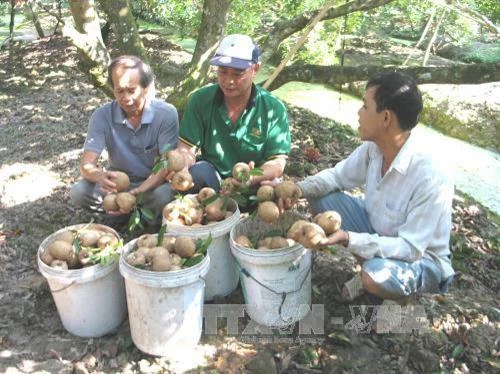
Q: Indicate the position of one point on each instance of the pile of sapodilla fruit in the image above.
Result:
(125, 202)
(74, 249)
(170, 255)
(309, 234)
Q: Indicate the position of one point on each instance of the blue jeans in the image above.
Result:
(399, 278)
(204, 175)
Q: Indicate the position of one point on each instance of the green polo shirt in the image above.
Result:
(260, 134)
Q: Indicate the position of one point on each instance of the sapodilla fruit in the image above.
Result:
(182, 180)
(89, 238)
(60, 250)
(240, 171)
(215, 211)
(244, 241)
(268, 211)
(125, 201)
(265, 193)
(306, 233)
(109, 203)
(205, 193)
(175, 161)
(121, 180)
(329, 220)
(185, 246)
(287, 190)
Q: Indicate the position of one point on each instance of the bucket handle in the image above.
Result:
(63, 288)
(283, 294)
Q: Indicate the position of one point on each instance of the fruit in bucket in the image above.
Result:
(184, 246)
(244, 241)
(76, 248)
(268, 211)
(154, 256)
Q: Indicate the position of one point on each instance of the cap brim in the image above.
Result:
(231, 62)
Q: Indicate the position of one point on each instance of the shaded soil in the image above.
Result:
(46, 105)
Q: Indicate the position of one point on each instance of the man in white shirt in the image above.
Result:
(401, 229)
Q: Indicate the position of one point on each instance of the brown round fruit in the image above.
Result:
(268, 211)
(244, 241)
(46, 257)
(265, 193)
(109, 202)
(59, 265)
(136, 259)
(216, 211)
(161, 263)
(182, 181)
(185, 246)
(107, 239)
(147, 240)
(121, 180)
(125, 201)
(329, 220)
(205, 193)
(287, 190)
(66, 236)
(60, 250)
(241, 171)
(89, 238)
(175, 161)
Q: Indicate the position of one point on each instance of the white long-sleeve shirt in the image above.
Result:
(409, 207)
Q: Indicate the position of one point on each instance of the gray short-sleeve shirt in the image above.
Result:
(133, 150)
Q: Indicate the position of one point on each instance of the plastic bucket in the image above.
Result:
(90, 301)
(165, 308)
(276, 283)
(222, 278)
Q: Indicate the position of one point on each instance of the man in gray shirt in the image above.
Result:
(134, 129)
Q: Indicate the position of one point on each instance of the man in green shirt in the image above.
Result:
(234, 120)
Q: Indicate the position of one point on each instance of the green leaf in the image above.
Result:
(273, 233)
(147, 213)
(138, 198)
(256, 172)
(210, 200)
(458, 351)
(203, 244)
(161, 234)
(195, 259)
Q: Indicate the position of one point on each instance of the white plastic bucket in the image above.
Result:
(276, 283)
(90, 301)
(222, 278)
(165, 308)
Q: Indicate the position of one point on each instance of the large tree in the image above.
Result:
(214, 15)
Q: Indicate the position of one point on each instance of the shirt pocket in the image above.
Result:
(392, 218)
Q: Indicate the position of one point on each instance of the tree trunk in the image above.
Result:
(12, 19)
(86, 36)
(335, 75)
(31, 13)
(123, 24)
(283, 29)
(212, 27)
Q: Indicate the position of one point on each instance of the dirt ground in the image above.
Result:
(46, 104)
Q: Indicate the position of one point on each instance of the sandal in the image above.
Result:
(352, 289)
